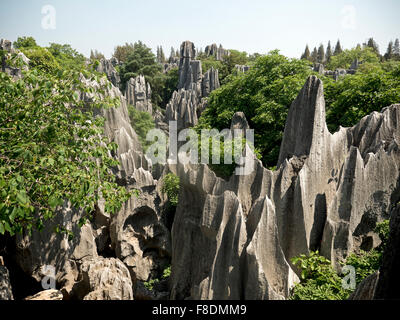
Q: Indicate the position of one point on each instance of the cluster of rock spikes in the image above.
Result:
(230, 239)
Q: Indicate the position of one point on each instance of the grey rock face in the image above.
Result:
(210, 82)
(328, 193)
(189, 69)
(106, 279)
(138, 94)
(366, 289)
(218, 52)
(388, 284)
(6, 45)
(319, 67)
(187, 102)
(37, 252)
(242, 68)
(51, 294)
(183, 108)
(108, 67)
(5, 285)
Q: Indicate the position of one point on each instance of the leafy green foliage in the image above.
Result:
(346, 58)
(264, 94)
(372, 88)
(67, 57)
(25, 42)
(225, 67)
(166, 274)
(41, 58)
(170, 84)
(49, 147)
(122, 52)
(170, 187)
(142, 122)
(141, 61)
(319, 281)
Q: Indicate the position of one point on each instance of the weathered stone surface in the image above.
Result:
(6, 46)
(319, 67)
(37, 252)
(218, 52)
(51, 294)
(187, 104)
(106, 279)
(139, 237)
(108, 67)
(210, 82)
(242, 68)
(366, 289)
(183, 108)
(328, 193)
(5, 285)
(389, 279)
(189, 69)
(138, 94)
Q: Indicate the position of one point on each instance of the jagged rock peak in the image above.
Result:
(210, 82)
(218, 52)
(138, 94)
(188, 50)
(242, 68)
(305, 122)
(108, 67)
(239, 121)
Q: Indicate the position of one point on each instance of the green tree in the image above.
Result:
(41, 58)
(329, 52)
(390, 51)
(24, 42)
(96, 55)
(141, 61)
(264, 94)
(67, 57)
(306, 55)
(47, 149)
(338, 48)
(170, 187)
(122, 52)
(142, 122)
(370, 89)
(346, 57)
(314, 55)
(321, 54)
(371, 43)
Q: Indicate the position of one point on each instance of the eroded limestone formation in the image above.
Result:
(138, 94)
(187, 102)
(234, 239)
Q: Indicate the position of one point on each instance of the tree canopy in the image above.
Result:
(49, 147)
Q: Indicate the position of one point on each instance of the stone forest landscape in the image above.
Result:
(199, 171)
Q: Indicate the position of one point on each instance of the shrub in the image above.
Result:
(170, 187)
(320, 282)
(41, 58)
(47, 148)
(142, 122)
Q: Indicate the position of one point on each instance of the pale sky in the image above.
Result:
(251, 25)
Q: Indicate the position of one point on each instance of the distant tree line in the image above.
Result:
(323, 56)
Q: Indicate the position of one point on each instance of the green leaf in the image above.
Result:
(22, 197)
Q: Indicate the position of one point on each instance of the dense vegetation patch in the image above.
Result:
(50, 149)
(319, 281)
